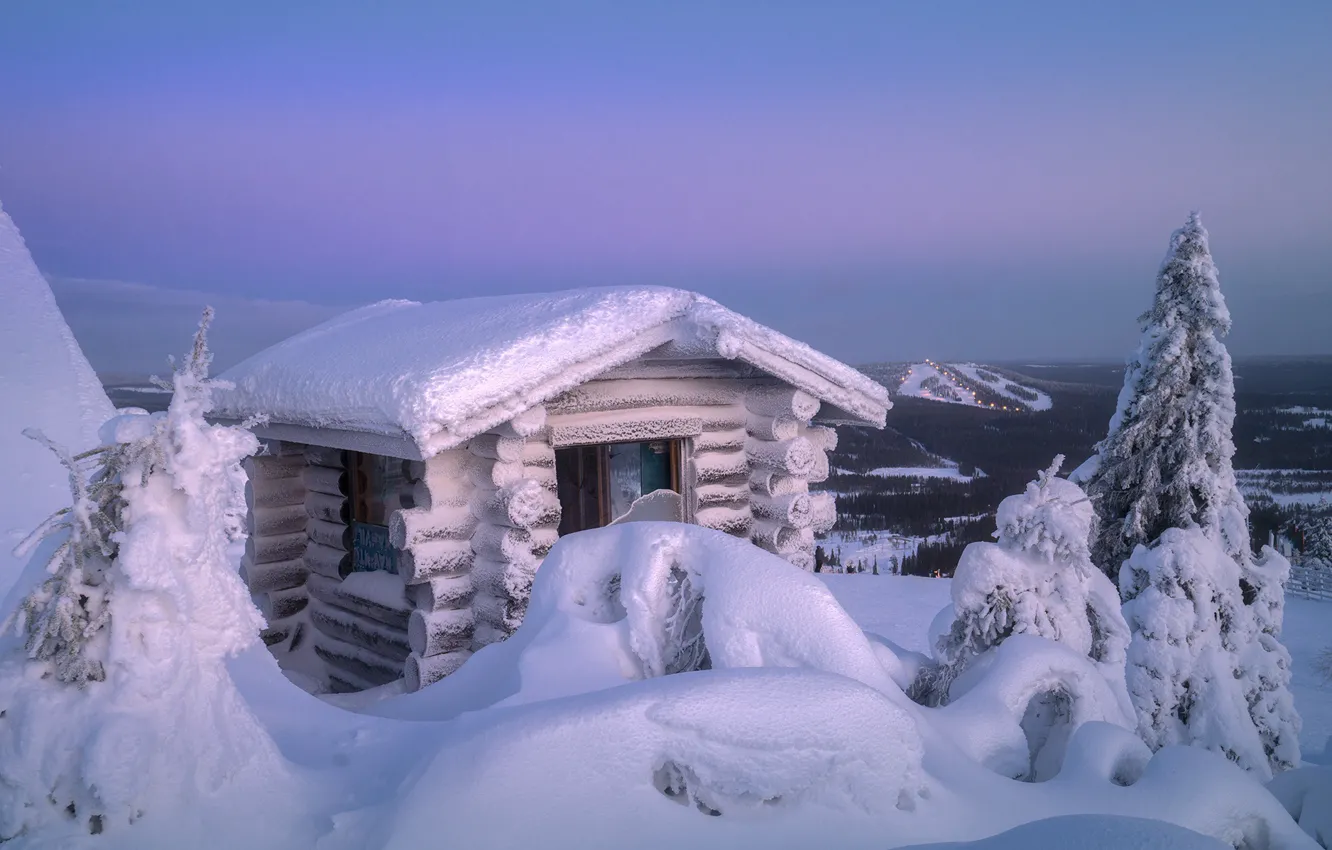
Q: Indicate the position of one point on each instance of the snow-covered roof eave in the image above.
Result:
(842, 404)
(448, 371)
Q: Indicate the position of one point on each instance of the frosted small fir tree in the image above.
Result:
(1317, 551)
(1036, 579)
(119, 708)
(1202, 668)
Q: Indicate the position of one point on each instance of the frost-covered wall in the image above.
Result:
(476, 520)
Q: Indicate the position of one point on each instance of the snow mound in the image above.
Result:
(445, 371)
(46, 384)
(1089, 832)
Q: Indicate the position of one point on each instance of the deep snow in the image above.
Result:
(46, 384)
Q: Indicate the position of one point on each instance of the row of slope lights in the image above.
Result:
(954, 378)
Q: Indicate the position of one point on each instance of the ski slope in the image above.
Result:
(971, 384)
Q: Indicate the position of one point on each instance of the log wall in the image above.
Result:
(273, 566)
(472, 524)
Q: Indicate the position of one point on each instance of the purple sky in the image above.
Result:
(884, 180)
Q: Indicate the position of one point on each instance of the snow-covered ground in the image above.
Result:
(1287, 487)
(901, 607)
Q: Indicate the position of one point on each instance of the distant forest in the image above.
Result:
(1276, 401)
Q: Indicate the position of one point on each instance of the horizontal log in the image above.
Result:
(523, 504)
(780, 400)
(770, 483)
(628, 426)
(774, 428)
(821, 436)
(270, 522)
(821, 469)
(823, 512)
(500, 614)
(485, 634)
(491, 473)
(283, 547)
(328, 562)
(279, 631)
(538, 453)
(334, 535)
(630, 394)
(280, 604)
(281, 448)
(330, 591)
(793, 510)
(802, 559)
(433, 559)
(730, 440)
(384, 641)
(789, 457)
(274, 575)
(328, 508)
(414, 470)
(513, 545)
(719, 466)
(509, 580)
(363, 668)
(735, 520)
(774, 536)
(325, 456)
(437, 632)
(419, 672)
(442, 592)
(274, 492)
(708, 495)
(525, 424)
(542, 475)
(326, 479)
(268, 467)
(411, 527)
(495, 447)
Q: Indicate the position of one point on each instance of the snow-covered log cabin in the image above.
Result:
(423, 458)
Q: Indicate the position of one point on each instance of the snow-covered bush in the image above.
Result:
(1201, 668)
(1036, 579)
(120, 707)
(1307, 794)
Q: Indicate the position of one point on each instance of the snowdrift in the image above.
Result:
(47, 384)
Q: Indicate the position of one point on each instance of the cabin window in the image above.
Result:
(376, 484)
(599, 484)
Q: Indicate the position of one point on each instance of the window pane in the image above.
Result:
(626, 477)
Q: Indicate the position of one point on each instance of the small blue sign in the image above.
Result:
(371, 549)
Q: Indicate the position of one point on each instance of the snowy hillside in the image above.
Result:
(47, 384)
(969, 384)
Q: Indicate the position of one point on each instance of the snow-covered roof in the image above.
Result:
(443, 372)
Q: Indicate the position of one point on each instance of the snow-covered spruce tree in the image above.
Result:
(1202, 667)
(1162, 478)
(119, 707)
(1166, 461)
(1317, 550)
(1036, 579)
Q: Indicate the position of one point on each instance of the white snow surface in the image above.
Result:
(442, 372)
(798, 736)
(46, 383)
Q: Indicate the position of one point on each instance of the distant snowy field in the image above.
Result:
(901, 607)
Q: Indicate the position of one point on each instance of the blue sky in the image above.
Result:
(884, 180)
